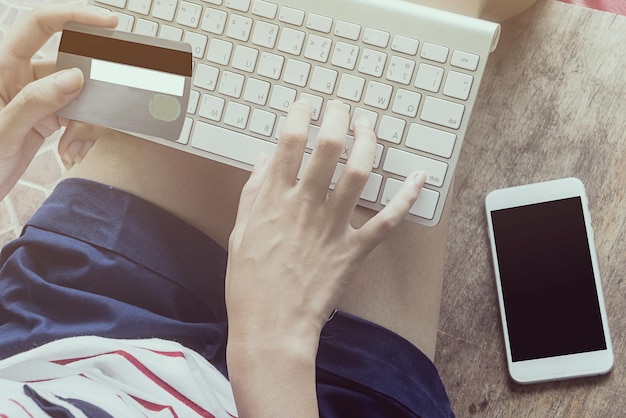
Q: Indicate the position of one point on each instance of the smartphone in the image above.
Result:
(549, 289)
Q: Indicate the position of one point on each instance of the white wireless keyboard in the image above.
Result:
(413, 71)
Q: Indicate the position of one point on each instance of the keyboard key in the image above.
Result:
(430, 140)
(235, 145)
(198, 43)
(236, 115)
(405, 45)
(206, 77)
(214, 21)
(257, 91)
(458, 85)
(406, 103)
(170, 32)
(429, 78)
(376, 37)
(165, 9)
(372, 62)
(425, 204)
(262, 122)
(219, 51)
(241, 5)
(211, 107)
(465, 60)
(378, 95)
(347, 30)
(434, 52)
(264, 9)
(189, 14)
(391, 129)
(140, 6)
(297, 72)
(146, 27)
(270, 65)
(231, 84)
(318, 48)
(125, 22)
(292, 16)
(401, 70)
(323, 80)
(115, 3)
(239, 27)
(291, 41)
(345, 55)
(319, 23)
(265, 34)
(404, 163)
(245, 58)
(442, 112)
(351, 87)
(194, 98)
(282, 98)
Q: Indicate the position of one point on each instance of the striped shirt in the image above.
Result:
(99, 377)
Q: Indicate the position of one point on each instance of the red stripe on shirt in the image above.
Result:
(21, 406)
(150, 375)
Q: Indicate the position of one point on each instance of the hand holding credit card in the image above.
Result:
(133, 83)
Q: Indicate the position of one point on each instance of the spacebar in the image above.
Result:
(230, 144)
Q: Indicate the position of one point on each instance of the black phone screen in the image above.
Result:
(547, 279)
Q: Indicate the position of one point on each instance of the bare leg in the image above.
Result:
(399, 286)
(203, 193)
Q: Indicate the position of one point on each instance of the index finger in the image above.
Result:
(26, 39)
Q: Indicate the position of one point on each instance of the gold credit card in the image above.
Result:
(133, 83)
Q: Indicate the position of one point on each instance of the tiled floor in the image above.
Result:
(35, 185)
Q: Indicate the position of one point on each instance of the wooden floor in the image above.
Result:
(552, 105)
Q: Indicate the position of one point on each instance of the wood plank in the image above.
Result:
(552, 105)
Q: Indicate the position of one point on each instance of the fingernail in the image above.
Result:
(105, 12)
(260, 162)
(420, 178)
(365, 123)
(72, 153)
(70, 80)
(85, 148)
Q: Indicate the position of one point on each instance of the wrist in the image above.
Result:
(272, 377)
(248, 345)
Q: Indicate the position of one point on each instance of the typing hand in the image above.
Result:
(29, 93)
(292, 254)
(293, 250)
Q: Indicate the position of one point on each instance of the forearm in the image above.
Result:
(273, 379)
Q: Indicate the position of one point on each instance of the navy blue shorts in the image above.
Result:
(95, 260)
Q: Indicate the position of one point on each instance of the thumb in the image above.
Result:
(37, 102)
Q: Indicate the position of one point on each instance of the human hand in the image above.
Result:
(293, 250)
(30, 93)
(292, 253)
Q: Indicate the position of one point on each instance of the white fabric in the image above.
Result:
(125, 378)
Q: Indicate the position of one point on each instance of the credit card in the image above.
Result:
(133, 83)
